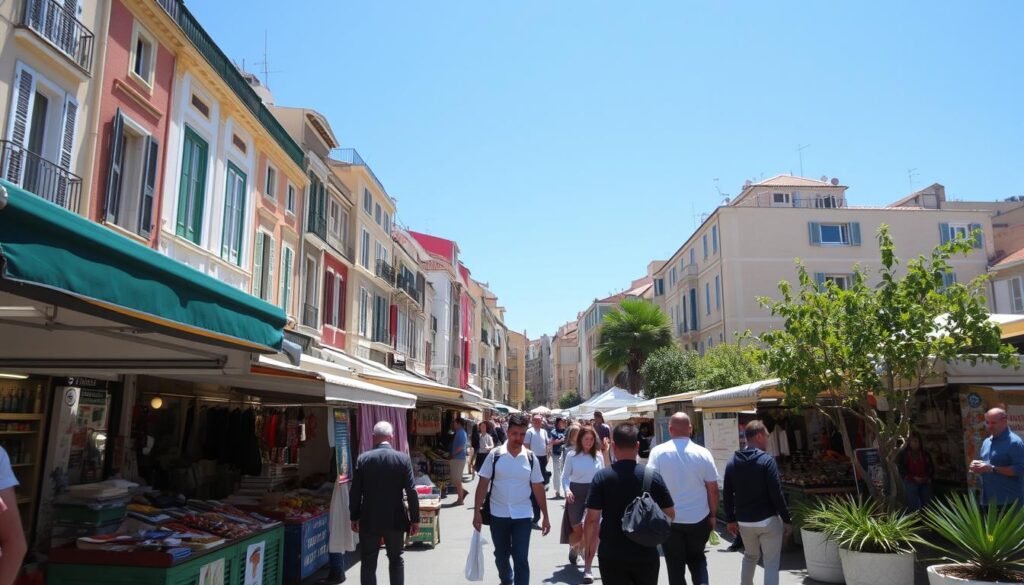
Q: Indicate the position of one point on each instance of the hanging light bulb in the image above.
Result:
(156, 402)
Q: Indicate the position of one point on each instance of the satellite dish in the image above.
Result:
(824, 179)
(835, 181)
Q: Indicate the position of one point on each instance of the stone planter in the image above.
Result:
(822, 557)
(861, 568)
(937, 578)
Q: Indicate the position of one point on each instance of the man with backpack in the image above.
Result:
(621, 559)
(508, 477)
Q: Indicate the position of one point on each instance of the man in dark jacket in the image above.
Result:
(375, 504)
(755, 507)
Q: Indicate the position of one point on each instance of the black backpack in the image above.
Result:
(643, 521)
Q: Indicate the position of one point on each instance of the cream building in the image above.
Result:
(565, 356)
(594, 380)
(710, 285)
(412, 303)
(517, 344)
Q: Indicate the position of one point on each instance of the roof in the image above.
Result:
(435, 245)
(1010, 260)
(790, 181)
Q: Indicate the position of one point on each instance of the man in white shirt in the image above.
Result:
(537, 440)
(692, 479)
(515, 474)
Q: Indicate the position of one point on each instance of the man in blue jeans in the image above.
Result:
(510, 474)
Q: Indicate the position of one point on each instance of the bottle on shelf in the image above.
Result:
(38, 407)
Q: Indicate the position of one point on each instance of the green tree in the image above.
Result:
(668, 371)
(727, 365)
(528, 401)
(629, 334)
(569, 399)
(865, 347)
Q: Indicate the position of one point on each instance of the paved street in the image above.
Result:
(548, 559)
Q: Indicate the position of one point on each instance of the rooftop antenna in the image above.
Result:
(265, 63)
(800, 152)
(911, 175)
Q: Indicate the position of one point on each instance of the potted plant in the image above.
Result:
(875, 545)
(985, 545)
(821, 555)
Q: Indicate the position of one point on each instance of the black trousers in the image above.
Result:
(620, 572)
(369, 549)
(542, 460)
(684, 550)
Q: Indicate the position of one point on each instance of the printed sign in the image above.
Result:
(212, 573)
(254, 563)
(1015, 412)
(342, 449)
(722, 438)
(428, 421)
(871, 462)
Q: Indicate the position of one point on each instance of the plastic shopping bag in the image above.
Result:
(475, 560)
(714, 539)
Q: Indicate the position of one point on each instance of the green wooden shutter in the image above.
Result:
(943, 233)
(113, 199)
(814, 230)
(855, 233)
(148, 186)
(979, 237)
(268, 291)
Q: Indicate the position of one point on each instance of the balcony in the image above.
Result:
(57, 25)
(407, 284)
(350, 156)
(386, 271)
(688, 272)
(310, 316)
(794, 200)
(220, 63)
(40, 176)
(317, 224)
(484, 337)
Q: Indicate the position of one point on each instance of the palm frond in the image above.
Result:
(990, 541)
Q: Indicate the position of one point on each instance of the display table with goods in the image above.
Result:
(436, 463)
(430, 517)
(205, 542)
(306, 518)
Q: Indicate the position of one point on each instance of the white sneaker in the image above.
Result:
(587, 577)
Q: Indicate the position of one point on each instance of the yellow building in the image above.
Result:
(517, 343)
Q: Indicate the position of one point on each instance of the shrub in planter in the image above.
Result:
(985, 545)
(876, 547)
(821, 555)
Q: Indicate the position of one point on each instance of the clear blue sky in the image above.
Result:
(565, 144)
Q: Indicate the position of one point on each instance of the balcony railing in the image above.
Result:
(408, 284)
(37, 175)
(386, 271)
(351, 156)
(310, 315)
(58, 25)
(317, 224)
(794, 200)
(231, 76)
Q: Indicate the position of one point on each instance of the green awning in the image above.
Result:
(51, 254)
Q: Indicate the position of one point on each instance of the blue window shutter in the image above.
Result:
(979, 238)
(943, 233)
(814, 230)
(855, 233)
(819, 280)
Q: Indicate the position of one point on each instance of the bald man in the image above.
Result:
(1001, 462)
(692, 479)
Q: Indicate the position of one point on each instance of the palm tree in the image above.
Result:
(628, 335)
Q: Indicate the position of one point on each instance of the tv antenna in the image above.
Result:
(800, 152)
(265, 63)
(911, 175)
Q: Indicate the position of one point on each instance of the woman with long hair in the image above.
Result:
(916, 467)
(486, 443)
(580, 466)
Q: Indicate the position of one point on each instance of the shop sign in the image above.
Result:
(871, 463)
(428, 421)
(722, 438)
(254, 563)
(342, 449)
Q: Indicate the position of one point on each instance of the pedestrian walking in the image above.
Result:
(916, 468)
(755, 506)
(604, 432)
(1000, 463)
(621, 560)
(486, 442)
(557, 444)
(499, 431)
(380, 478)
(690, 473)
(458, 460)
(510, 474)
(582, 462)
(538, 440)
(12, 535)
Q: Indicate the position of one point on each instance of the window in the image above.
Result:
(364, 250)
(381, 252)
(707, 297)
(387, 223)
(693, 256)
(711, 342)
(131, 180)
(240, 144)
(380, 319)
(951, 231)
(334, 300)
(659, 286)
(834, 234)
(376, 213)
(841, 281)
(284, 296)
(714, 239)
(948, 279)
(200, 106)
(364, 308)
(263, 266)
(234, 216)
(826, 202)
(309, 316)
(718, 292)
(270, 184)
(1017, 295)
(192, 190)
(289, 201)
(143, 57)
(334, 217)
(367, 201)
(780, 199)
(672, 277)
(704, 239)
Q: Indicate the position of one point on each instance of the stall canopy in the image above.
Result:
(642, 408)
(79, 297)
(620, 414)
(610, 399)
(744, 397)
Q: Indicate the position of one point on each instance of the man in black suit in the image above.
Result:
(375, 503)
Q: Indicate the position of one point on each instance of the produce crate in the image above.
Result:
(72, 514)
(429, 534)
(305, 547)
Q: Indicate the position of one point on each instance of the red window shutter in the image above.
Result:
(343, 299)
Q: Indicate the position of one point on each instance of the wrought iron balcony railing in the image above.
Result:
(310, 316)
(54, 22)
(386, 271)
(37, 175)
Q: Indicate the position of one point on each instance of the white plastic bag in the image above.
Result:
(475, 560)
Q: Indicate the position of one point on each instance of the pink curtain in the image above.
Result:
(371, 414)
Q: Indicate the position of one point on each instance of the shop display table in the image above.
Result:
(74, 566)
(430, 525)
(305, 546)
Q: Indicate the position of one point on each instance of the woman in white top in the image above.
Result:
(486, 443)
(580, 466)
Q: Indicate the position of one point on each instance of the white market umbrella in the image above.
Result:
(610, 399)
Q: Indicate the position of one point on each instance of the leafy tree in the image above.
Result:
(864, 347)
(629, 334)
(528, 401)
(668, 371)
(569, 399)
(727, 365)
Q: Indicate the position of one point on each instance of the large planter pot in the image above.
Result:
(822, 557)
(860, 568)
(937, 578)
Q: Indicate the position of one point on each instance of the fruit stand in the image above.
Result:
(306, 521)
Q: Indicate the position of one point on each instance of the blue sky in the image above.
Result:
(564, 144)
